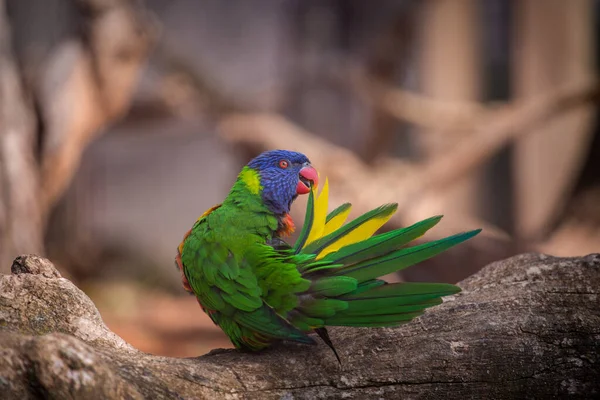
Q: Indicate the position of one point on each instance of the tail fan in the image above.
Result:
(345, 261)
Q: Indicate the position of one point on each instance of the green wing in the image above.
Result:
(343, 265)
(228, 291)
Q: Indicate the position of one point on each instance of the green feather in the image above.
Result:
(413, 291)
(397, 298)
(343, 208)
(371, 320)
(381, 244)
(376, 307)
(322, 308)
(262, 321)
(310, 265)
(319, 266)
(403, 258)
(308, 222)
(333, 286)
(304, 322)
(318, 245)
(369, 301)
(368, 285)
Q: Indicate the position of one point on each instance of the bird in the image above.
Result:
(259, 289)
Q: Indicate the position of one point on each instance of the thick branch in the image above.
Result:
(524, 327)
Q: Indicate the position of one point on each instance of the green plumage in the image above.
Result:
(259, 293)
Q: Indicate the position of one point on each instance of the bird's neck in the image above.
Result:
(245, 199)
(245, 203)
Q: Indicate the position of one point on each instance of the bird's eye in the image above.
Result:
(283, 164)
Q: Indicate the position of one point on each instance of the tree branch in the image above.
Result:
(523, 327)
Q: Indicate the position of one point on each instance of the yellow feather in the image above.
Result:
(252, 180)
(336, 222)
(361, 233)
(320, 213)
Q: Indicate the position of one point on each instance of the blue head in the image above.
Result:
(283, 175)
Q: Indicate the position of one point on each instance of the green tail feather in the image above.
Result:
(261, 321)
(371, 320)
(322, 308)
(308, 223)
(389, 304)
(333, 286)
(412, 291)
(318, 245)
(376, 304)
(381, 244)
(370, 309)
(380, 305)
(345, 289)
(368, 285)
(403, 258)
(337, 211)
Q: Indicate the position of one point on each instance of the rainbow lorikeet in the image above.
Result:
(259, 289)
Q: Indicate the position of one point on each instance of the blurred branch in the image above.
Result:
(20, 217)
(491, 130)
(423, 111)
(94, 75)
(578, 231)
(388, 60)
(388, 181)
(498, 128)
(394, 181)
(439, 115)
(187, 89)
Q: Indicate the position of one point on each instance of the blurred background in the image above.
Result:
(121, 121)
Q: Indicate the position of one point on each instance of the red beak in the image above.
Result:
(308, 177)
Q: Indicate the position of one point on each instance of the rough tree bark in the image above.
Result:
(526, 327)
